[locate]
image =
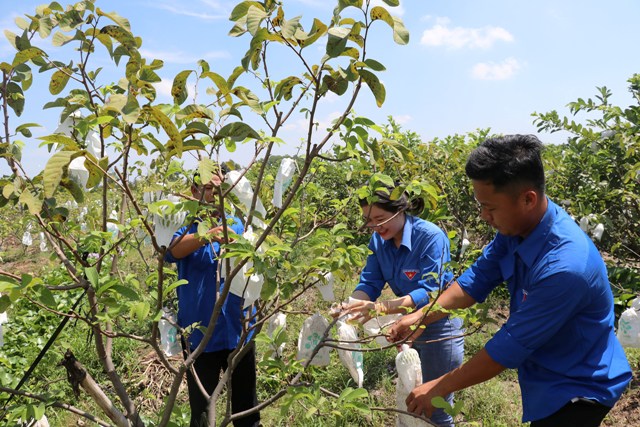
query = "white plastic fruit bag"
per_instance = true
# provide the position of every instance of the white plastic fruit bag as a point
(244, 284)
(3, 319)
(312, 331)
(168, 333)
(409, 376)
(283, 179)
(351, 359)
(377, 326)
(325, 286)
(629, 326)
(243, 191)
(278, 320)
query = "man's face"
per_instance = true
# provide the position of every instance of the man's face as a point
(506, 211)
(208, 191)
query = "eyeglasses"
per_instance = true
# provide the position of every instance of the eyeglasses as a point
(380, 224)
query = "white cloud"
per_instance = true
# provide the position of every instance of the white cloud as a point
(443, 34)
(403, 119)
(183, 9)
(179, 57)
(496, 71)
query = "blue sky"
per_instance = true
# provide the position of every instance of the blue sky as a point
(469, 64)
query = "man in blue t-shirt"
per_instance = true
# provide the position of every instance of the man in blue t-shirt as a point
(197, 262)
(560, 332)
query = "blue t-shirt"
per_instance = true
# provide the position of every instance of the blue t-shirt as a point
(560, 332)
(424, 249)
(197, 298)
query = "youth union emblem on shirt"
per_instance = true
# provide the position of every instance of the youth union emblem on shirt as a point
(410, 273)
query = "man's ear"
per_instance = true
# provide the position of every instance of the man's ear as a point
(530, 199)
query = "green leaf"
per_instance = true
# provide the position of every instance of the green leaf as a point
(73, 188)
(170, 129)
(289, 27)
(241, 9)
(255, 16)
(92, 276)
(237, 131)
(33, 203)
(15, 98)
(66, 142)
(285, 87)
(46, 297)
(392, 3)
(374, 65)
(173, 285)
(179, 87)
(5, 301)
(380, 13)
(318, 29)
(374, 84)
(337, 41)
(123, 22)
(24, 129)
(195, 111)
(400, 32)
(60, 39)
(27, 55)
(206, 168)
(59, 81)
(54, 170)
(140, 310)
(96, 173)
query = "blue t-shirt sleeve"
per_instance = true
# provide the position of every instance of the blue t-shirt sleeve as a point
(435, 254)
(485, 274)
(553, 300)
(371, 279)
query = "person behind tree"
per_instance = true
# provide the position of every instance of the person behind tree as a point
(197, 262)
(560, 331)
(410, 254)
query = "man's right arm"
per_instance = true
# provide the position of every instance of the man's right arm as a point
(454, 297)
(189, 243)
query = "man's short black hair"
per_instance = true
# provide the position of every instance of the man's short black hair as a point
(508, 162)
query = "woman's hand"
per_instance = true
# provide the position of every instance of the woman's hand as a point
(356, 310)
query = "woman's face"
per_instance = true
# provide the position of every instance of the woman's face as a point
(387, 224)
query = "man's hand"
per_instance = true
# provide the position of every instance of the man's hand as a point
(216, 234)
(419, 400)
(407, 328)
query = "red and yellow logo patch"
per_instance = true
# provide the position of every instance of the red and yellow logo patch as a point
(410, 273)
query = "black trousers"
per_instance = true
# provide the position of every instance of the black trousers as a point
(581, 413)
(209, 367)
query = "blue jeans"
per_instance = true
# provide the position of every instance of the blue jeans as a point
(439, 357)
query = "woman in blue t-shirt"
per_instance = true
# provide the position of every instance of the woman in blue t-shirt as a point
(410, 255)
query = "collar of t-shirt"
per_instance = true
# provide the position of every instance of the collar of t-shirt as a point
(533, 244)
(406, 233)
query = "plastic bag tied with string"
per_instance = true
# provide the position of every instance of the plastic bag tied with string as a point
(351, 359)
(409, 377)
(277, 322)
(169, 340)
(247, 284)
(629, 326)
(311, 334)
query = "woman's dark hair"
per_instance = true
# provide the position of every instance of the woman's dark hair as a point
(508, 162)
(414, 206)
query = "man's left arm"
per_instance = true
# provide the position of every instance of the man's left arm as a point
(480, 368)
